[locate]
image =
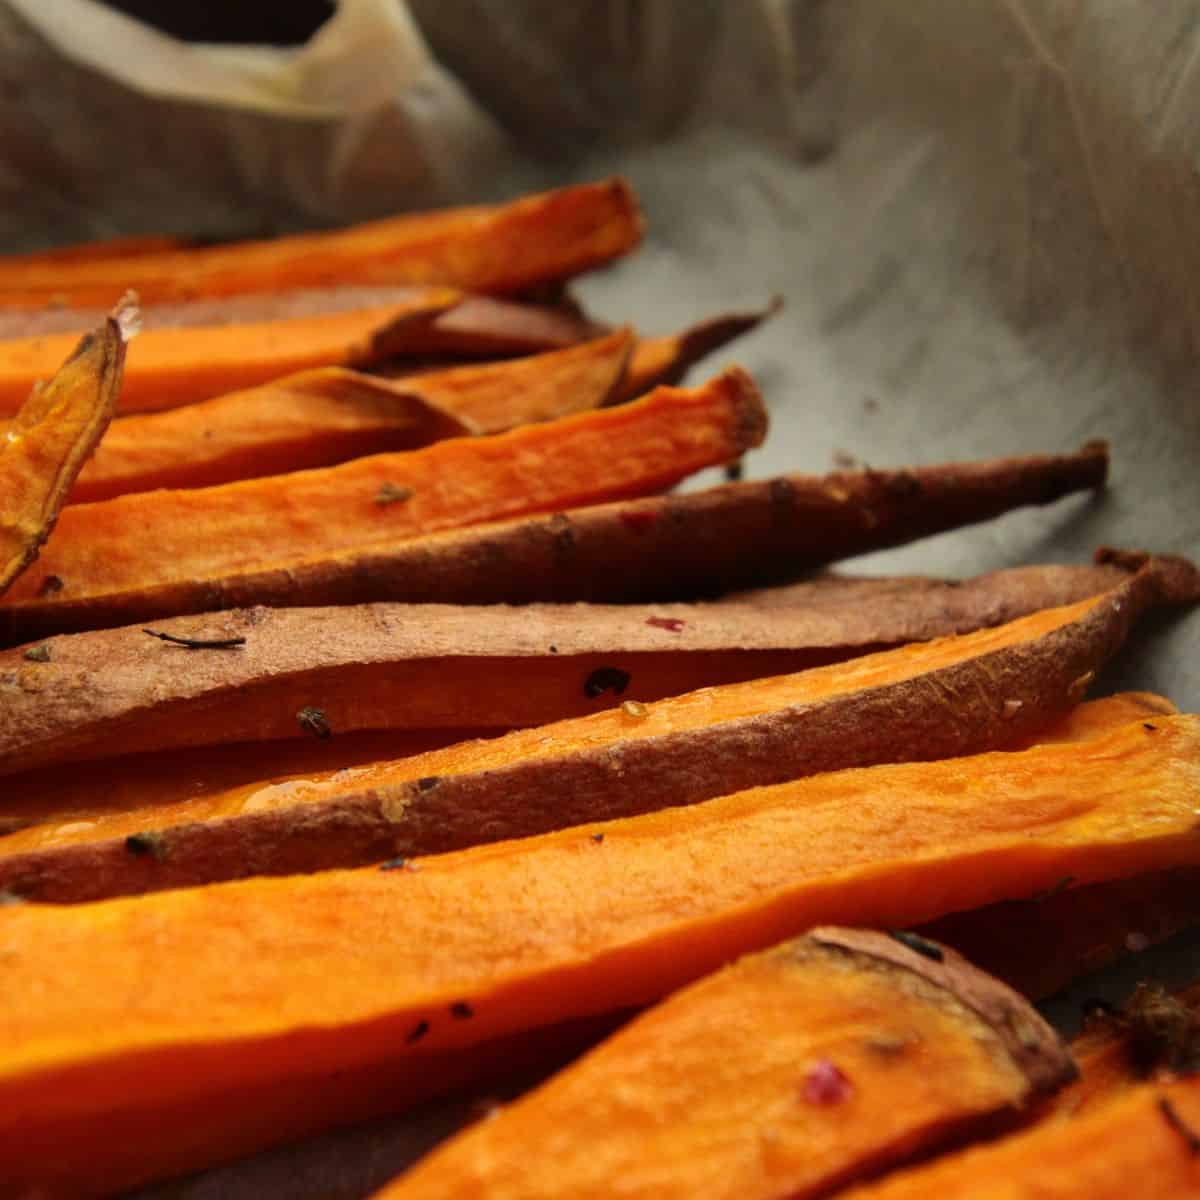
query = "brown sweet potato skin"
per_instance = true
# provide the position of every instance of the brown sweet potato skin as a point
(665, 548)
(436, 666)
(986, 701)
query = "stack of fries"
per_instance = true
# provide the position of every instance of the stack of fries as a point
(377, 726)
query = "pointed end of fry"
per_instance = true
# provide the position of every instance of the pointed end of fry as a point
(128, 316)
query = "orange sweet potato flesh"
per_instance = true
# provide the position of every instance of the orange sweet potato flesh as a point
(659, 360)
(503, 248)
(169, 367)
(788, 1074)
(995, 688)
(312, 419)
(186, 539)
(44, 448)
(660, 548)
(287, 978)
(1145, 1146)
(412, 667)
(326, 416)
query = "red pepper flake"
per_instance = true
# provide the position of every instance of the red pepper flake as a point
(640, 520)
(670, 624)
(824, 1083)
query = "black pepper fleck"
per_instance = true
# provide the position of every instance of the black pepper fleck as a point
(419, 1030)
(428, 782)
(918, 944)
(461, 1010)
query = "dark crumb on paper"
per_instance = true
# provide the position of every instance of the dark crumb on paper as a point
(428, 782)
(147, 845)
(553, 649)
(460, 1010)
(392, 493)
(670, 624)
(606, 679)
(50, 585)
(227, 643)
(825, 1083)
(843, 460)
(37, 653)
(419, 1030)
(1191, 1139)
(314, 721)
(734, 471)
(918, 944)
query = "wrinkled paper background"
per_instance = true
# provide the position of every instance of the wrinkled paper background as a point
(984, 216)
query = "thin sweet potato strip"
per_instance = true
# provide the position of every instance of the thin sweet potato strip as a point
(659, 360)
(313, 419)
(326, 416)
(410, 667)
(793, 1072)
(954, 696)
(504, 248)
(169, 367)
(193, 538)
(286, 979)
(1145, 1146)
(662, 548)
(44, 448)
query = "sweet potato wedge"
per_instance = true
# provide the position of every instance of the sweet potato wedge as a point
(44, 448)
(992, 688)
(130, 246)
(287, 979)
(502, 248)
(1145, 1146)
(400, 666)
(478, 326)
(169, 367)
(326, 416)
(795, 1071)
(659, 360)
(190, 539)
(663, 548)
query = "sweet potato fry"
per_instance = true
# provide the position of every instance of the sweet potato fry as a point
(996, 687)
(480, 667)
(1145, 1146)
(102, 251)
(287, 979)
(170, 367)
(44, 448)
(314, 419)
(794, 1072)
(190, 539)
(503, 248)
(479, 326)
(663, 548)
(659, 360)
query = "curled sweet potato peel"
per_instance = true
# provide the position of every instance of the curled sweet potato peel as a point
(45, 447)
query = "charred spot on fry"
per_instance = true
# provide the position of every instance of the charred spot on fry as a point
(314, 721)
(392, 493)
(918, 944)
(606, 679)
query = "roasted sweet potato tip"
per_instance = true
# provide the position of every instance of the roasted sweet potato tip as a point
(844, 1052)
(45, 447)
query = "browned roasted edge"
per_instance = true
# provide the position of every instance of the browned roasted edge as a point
(109, 340)
(659, 548)
(1030, 1042)
(895, 722)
